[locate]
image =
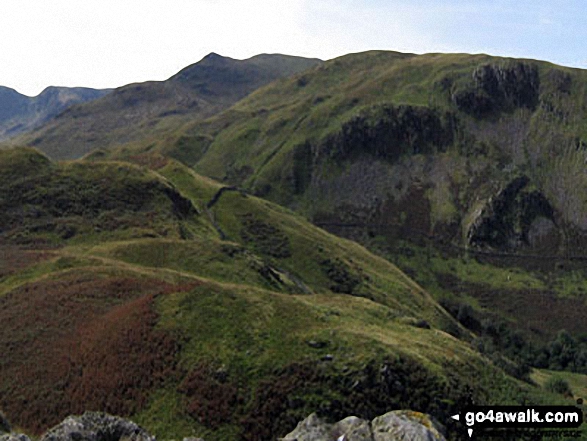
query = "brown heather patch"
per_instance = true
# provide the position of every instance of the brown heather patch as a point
(268, 414)
(117, 359)
(212, 397)
(85, 340)
(153, 161)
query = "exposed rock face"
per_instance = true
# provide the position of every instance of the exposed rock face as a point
(95, 426)
(499, 89)
(389, 132)
(401, 425)
(515, 218)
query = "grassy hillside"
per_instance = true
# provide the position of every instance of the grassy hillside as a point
(204, 312)
(156, 108)
(417, 143)
(467, 171)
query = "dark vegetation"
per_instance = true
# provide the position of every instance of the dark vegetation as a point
(513, 351)
(399, 383)
(121, 351)
(41, 201)
(4, 424)
(558, 385)
(264, 237)
(343, 279)
(212, 398)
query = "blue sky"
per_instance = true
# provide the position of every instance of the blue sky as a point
(109, 43)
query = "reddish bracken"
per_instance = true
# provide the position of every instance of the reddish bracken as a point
(85, 341)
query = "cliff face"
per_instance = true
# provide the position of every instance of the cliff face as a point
(415, 146)
(516, 218)
(429, 160)
(497, 88)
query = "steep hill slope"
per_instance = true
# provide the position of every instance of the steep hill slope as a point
(465, 170)
(20, 113)
(198, 309)
(456, 146)
(137, 110)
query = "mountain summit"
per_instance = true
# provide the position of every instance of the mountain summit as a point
(156, 108)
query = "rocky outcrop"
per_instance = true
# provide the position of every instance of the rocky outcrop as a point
(515, 218)
(91, 426)
(398, 425)
(499, 88)
(381, 132)
(389, 132)
(96, 426)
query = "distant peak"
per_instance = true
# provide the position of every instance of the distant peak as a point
(213, 56)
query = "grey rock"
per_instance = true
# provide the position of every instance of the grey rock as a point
(14, 437)
(310, 429)
(96, 426)
(317, 344)
(352, 429)
(405, 425)
(193, 439)
(401, 425)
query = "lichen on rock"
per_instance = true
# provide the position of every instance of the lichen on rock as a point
(399, 425)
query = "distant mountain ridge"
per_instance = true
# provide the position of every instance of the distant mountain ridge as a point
(156, 108)
(20, 113)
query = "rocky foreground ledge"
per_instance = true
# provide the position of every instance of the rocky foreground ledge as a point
(398, 425)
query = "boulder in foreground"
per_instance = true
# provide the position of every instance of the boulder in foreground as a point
(399, 425)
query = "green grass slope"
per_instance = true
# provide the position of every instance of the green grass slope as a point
(446, 132)
(137, 111)
(467, 171)
(203, 312)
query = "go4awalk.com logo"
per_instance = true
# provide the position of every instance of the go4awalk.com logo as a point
(519, 417)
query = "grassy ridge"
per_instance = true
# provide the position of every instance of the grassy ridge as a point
(191, 333)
